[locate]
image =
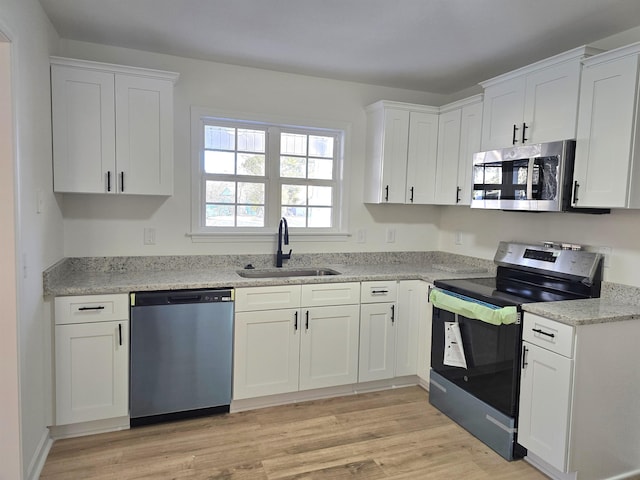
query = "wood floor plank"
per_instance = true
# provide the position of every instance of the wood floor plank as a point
(393, 434)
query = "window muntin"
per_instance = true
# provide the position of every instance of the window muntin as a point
(253, 173)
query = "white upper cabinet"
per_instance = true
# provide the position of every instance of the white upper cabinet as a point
(112, 128)
(459, 132)
(535, 104)
(607, 170)
(401, 153)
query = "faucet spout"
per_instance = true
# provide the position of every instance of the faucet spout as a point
(283, 237)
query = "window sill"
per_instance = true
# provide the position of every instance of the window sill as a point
(266, 237)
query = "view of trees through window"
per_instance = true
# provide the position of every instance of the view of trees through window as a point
(245, 174)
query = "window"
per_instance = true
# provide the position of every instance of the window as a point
(248, 174)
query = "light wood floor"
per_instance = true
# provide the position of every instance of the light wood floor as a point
(393, 434)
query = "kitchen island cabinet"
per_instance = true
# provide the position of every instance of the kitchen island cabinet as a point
(112, 128)
(576, 415)
(91, 358)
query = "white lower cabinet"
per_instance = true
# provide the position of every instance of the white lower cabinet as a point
(579, 388)
(413, 344)
(91, 358)
(313, 344)
(390, 329)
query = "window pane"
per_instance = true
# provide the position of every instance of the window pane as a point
(250, 216)
(296, 216)
(219, 138)
(252, 193)
(320, 196)
(321, 146)
(220, 192)
(319, 217)
(293, 144)
(320, 169)
(220, 215)
(294, 195)
(251, 140)
(251, 164)
(292, 167)
(219, 162)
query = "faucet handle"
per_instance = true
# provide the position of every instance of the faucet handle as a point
(287, 255)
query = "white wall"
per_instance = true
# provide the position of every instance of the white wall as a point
(108, 225)
(39, 236)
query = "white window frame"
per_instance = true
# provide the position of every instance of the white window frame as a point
(201, 116)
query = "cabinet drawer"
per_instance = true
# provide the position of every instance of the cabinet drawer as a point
(267, 298)
(325, 294)
(377, 292)
(549, 334)
(91, 308)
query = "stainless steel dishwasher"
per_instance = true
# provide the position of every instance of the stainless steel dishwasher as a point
(181, 354)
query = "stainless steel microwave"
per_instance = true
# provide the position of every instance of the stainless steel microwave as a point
(536, 177)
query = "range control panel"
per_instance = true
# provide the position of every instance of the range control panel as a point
(577, 264)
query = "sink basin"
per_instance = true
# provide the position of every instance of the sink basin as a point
(299, 272)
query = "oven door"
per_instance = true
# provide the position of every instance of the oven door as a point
(491, 352)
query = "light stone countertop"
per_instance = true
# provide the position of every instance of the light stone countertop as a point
(103, 275)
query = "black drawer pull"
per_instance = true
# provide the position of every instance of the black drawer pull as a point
(83, 309)
(379, 292)
(537, 330)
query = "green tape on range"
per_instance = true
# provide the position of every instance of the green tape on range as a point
(476, 311)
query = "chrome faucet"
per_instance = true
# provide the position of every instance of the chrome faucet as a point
(283, 236)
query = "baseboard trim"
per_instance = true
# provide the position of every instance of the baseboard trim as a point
(321, 393)
(40, 457)
(89, 428)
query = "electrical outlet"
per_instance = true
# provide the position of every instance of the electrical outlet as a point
(149, 236)
(457, 238)
(606, 253)
(362, 236)
(391, 235)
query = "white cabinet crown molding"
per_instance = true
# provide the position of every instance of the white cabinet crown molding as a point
(632, 49)
(584, 51)
(461, 103)
(113, 68)
(410, 107)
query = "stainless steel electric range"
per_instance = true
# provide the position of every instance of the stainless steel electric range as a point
(476, 334)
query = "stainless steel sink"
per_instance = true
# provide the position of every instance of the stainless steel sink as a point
(285, 272)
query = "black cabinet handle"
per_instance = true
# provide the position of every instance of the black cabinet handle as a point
(122, 181)
(393, 314)
(576, 185)
(295, 321)
(524, 132)
(514, 140)
(306, 325)
(120, 333)
(458, 190)
(537, 330)
(386, 193)
(84, 309)
(524, 357)
(379, 292)
(109, 181)
(411, 197)
(429, 294)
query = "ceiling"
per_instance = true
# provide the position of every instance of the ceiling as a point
(439, 46)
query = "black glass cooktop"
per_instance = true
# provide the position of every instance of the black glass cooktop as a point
(483, 289)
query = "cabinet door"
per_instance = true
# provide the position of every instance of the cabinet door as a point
(377, 341)
(606, 133)
(144, 135)
(424, 332)
(551, 103)
(83, 121)
(470, 140)
(267, 353)
(412, 309)
(503, 108)
(446, 173)
(422, 158)
(545, 394)
(329, 346)
(92, 371)
(394, 155)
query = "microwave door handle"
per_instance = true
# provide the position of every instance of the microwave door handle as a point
(532, 162)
